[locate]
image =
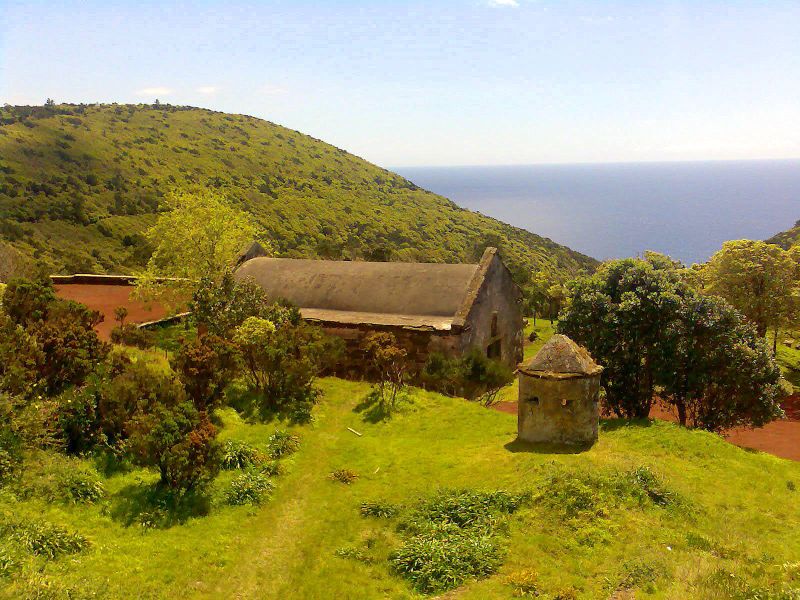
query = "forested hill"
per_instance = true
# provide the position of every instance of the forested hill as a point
(787, 239)
(80, 183)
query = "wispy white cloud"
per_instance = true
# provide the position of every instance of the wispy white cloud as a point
(273, 90)
(207, 89)
(154, 91)
(503, 3)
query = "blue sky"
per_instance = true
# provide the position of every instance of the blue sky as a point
(438, 82)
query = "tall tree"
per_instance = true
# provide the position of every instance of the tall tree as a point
(620, 314)
(760, 280)
(653, 332)
(197, 237)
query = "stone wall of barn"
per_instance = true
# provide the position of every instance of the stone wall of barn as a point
(419, 343)
(494, 322)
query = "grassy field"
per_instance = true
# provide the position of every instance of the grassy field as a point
(731, 532)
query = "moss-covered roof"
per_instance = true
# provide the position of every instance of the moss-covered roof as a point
(428, 295)
(559, 357)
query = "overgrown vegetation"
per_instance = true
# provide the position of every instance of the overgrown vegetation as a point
(654, 333)
(95, 176)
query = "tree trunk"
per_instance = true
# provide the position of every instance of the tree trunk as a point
(681, 404)
(775, 342)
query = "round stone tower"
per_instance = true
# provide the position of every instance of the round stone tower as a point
(558, 395)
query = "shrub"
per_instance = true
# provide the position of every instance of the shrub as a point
(271, 468)
(27, 302)
(383, 510)
(473, 375)
(249, 488)
(345, 476)
(238, 455)
(388, 363)
(454, 537)
(132, 335)
(45, 539)
(180, 442)
(525, 583)
(10, 456)
(220, 307)
(204, 366)
(81, 487)
(446, 556)
(282, 443)
(136, 390)
(465, 508)
(282, 356)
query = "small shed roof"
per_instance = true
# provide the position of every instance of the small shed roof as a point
(561, 357)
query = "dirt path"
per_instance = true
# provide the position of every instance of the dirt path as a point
(105, 298)
(781, 438)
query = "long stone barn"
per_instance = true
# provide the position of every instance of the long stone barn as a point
(429, 307)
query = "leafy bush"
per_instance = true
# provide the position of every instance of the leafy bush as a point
(282, 356)
(205, 366)
(27, 302)
(465, 508)
(271, 468)
(81, 487)
(249, 488)
(180, 442)
(472, 376)
(135, 390)
(131, 335)
(345, 476)
(525, 583)
(388, 364)
(454, 536)
(239, 455)
(10, 455)
(46, 539)
(70, 348)
(445, 556)
(220, 307)
(282, 443)
(383, 510)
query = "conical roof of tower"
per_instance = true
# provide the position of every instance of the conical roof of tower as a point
(561, 357)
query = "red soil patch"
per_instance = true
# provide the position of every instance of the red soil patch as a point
(780, 438)
(105, 298)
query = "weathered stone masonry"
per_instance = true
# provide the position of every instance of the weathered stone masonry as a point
(429, 307)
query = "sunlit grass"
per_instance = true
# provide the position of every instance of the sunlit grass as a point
(740, 505)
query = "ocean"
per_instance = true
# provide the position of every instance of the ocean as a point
(683, 209)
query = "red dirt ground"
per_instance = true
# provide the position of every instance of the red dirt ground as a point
(105, 298)
(781, 438)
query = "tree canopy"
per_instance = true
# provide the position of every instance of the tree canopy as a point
(196, 238)
(656, 336)
(761, 280)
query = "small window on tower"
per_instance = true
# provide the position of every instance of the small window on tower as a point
(494, 324)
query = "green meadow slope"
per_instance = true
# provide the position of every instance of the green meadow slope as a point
(787, 239)
(78, 185)
(729, 529)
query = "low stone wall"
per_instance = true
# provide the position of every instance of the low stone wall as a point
(90, 279)
(419, 344)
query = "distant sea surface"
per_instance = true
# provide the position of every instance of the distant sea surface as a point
(684, 209)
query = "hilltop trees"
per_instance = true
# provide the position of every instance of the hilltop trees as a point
(761, 280)
(655, 335)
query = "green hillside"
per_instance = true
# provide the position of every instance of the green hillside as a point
(787, 239)
(79, 183)
(723, 524)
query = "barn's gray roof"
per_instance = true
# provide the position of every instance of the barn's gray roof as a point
(560, 357)
(425, 295)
